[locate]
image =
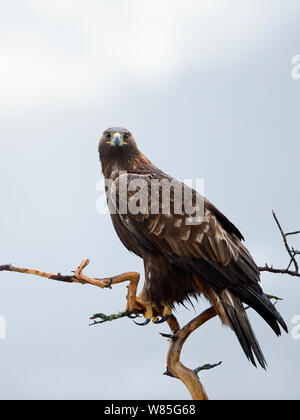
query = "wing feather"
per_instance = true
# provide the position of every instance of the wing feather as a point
(172, 234)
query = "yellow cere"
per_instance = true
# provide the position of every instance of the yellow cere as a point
(114, 136)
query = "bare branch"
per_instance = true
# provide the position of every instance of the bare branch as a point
(107, 318)
(292, 233)
(290, 250)
(206, 367)
(174, 366)
(279, 271)
(276, 298)
(77, 277)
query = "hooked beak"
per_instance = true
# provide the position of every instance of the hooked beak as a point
(117, 139)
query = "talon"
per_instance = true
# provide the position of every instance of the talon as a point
(143, 323)
(162, 320)
(132, 316)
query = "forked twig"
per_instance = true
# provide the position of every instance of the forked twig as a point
(290, 250)
(78, 276)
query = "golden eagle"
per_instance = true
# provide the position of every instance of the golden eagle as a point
(182, 259)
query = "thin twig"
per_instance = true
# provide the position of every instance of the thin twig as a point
(107, 318)
(50, 276)
(290, 250)
(274, 297)
(279, 271)
(292, 233)
(286, 243)
(206, 367)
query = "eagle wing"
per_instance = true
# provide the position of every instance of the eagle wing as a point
(208, 245)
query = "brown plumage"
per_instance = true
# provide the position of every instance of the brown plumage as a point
(183, 260)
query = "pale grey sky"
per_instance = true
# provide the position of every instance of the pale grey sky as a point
(206, 88)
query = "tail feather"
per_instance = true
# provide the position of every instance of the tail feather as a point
(239, 322)
(255, 298)
(230, 308)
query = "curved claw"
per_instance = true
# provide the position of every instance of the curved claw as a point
(143, 323)
(132, 315)
(162, 320)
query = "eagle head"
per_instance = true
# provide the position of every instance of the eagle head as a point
(116, 140)
(118, 151)
(117, 146)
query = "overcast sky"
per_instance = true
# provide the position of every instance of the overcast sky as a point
(207, 89)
